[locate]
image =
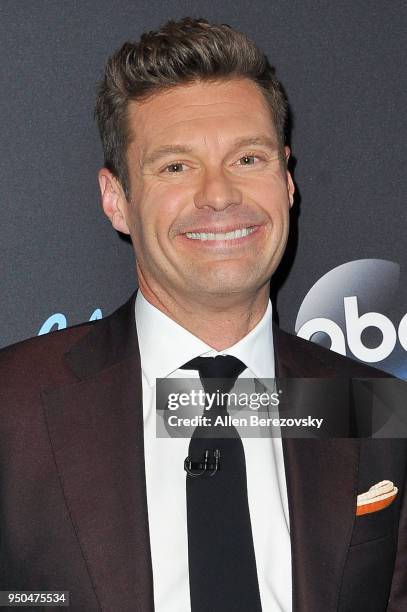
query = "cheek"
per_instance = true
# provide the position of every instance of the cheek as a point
(160, 206)
(268, 189)
(272, 198)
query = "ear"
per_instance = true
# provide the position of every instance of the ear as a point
(113, 200)
(290, 182)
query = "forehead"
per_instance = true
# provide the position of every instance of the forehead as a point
(221, 109)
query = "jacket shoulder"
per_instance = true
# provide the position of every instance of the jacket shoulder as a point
(39, 361)
(323, 361)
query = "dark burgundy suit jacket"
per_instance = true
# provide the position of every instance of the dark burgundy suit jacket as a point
(73, 512)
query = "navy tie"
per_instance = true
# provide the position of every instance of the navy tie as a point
(222, 564)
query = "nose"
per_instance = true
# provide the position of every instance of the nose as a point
(217, 191)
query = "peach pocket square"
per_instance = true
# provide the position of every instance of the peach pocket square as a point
(377, 498)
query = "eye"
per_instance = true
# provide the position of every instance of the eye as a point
(175, 168)
(249, 160)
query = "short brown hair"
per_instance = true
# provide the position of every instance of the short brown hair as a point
(180, 52)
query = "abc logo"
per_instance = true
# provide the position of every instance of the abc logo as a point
(355, 325)
(338, 296)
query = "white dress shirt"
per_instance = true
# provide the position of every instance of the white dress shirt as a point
(164, 347)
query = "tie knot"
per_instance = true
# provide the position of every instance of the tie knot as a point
(226, 368)
(221, 366)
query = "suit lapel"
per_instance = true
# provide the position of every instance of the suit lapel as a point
(96, 432)
(321, 480)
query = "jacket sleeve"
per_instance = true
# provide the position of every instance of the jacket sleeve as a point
(398, 592)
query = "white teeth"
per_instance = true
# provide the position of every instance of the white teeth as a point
(240, 233)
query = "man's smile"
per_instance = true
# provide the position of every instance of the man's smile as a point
(221, 235)
(221, 238)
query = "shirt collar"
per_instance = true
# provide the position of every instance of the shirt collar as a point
(165, 345)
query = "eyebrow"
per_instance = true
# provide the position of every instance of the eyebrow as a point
(253, 141)
(163, 151)
(175, 149)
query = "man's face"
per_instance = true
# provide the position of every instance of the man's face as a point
(208, 212)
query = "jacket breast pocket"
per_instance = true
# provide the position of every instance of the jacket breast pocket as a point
(369, 564)
(375, 525)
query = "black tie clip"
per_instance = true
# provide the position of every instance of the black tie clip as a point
(205, 467)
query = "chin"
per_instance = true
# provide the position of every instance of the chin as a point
(226, 286)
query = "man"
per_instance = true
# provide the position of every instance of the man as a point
(192, 124)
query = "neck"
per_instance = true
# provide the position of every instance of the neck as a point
(219, 321)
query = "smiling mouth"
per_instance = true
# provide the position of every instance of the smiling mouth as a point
(238, 233)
